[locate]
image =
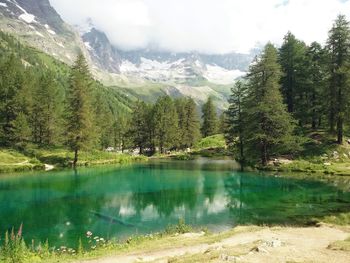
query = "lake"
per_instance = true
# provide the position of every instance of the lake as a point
(117, 202)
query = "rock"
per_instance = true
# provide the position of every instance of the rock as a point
(260, 249)
(327, 164)
(49, 167)
(273, 243)
(225, 257)
(345, 155)
(348, 141)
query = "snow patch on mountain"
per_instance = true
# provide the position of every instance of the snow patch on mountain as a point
(28, 18)
(179, 70)
(39, 34)
(220, 75)
(3, 4)
(51, 32)
(87, 45)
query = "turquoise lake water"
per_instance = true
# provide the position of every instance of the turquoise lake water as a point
(116, 202)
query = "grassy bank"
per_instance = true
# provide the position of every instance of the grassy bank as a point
(211, 147)
(34, 158)
(14, 161)
(321, 154)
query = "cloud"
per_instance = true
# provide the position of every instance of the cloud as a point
(211, 26)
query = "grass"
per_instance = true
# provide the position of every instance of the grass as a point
(13, 161)
(342, 219)
(321, 154)
(34, 158)
(14, 250)
(341, 245)
(215, 141)
(62, 158)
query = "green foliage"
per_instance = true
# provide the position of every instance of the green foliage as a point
(215, 141)
(189, 124)
(291, 58)
(338, 46)
(268, 126)
(234, 121)
(80, 129)
(14, 249)
(210, 119)
(180, 228)
(165, 123)
(36, 101)
(183, 157)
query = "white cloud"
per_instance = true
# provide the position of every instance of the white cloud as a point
(212, 26)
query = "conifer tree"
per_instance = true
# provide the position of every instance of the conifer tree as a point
(189, 124)
(338, 46)
(291, 58)
(166, 123)
(80, 133)
(22, 131)
(269, 126)
(210, 119)
(234, 121)
(121, 128)
(11, 84)
(46, 111)
(139, 127)
(316, 82)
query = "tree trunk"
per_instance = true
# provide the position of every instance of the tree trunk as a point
(340, 129)
(75, 161)
(314, 114)
(264, 158)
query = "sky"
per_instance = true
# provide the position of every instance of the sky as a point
(208, 26)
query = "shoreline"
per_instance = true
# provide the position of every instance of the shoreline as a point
(250, 243)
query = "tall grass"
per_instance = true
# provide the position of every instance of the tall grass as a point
(14, 250)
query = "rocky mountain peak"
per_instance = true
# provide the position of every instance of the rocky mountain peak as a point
(103, 54)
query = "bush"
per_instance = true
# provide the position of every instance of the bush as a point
(215, 141)
(180, 228)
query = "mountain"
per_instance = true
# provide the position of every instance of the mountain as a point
(103, 54)
(164, 66)
(142, 74)
(38, 24)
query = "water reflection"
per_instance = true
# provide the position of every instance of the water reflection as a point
(119, 202)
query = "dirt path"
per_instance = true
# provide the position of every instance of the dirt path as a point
(266, 245)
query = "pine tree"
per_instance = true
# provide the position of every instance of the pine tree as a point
(139, 126)
(47, 111)
(103, 121)
(189, 123)
(11, 84)
(268, 126)
(316, 84)
(79, 113)
(210, 119)
(234, 121)
(121, 128)
(291, 58)
(22, 131)
(166, 123)
(338, 46)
